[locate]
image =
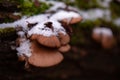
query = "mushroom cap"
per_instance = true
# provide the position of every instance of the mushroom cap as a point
(64, 38)
(44, 57)
(33, 36)
(64, 48)
(108, 42)
(51, 41)
(97, 37)
(72, 20)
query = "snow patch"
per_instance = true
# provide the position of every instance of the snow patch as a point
(104, 3)
(94, 14)
(24, 48)
(117, 21)
(60, 15)
(103, 31)
(42, 29)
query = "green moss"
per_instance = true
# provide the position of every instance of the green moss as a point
(7, 32)
(115, 9)
(86, 4)
(28, 7)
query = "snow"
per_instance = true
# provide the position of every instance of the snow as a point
(21, 34)
(60, 15)
(23, 22)
(104, 3)
(94, 14)
(103, 31)
(24, 48)
(45, 31)
(117, 21)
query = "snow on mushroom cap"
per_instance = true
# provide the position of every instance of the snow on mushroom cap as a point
(42, 29)
(60, 15)
(103, 30)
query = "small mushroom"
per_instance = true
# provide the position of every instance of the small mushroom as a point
(64, 38)
(104, 36)
(44, 57)
(96, 37)
(108, 42)
(64, 48)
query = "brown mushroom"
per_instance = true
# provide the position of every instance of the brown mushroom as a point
(64, 38)
(51, 41)
(108, 41)
(72, 20)
(33, 36)
(64, 48)
(44, 57)
(104, 36)
(96, 37)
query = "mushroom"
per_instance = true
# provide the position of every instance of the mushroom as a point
(64, 38)
(64, 48)
(69, 17)
(97, 34)
(104, 36)
(108, 41)
(46, 42)
(72, 20)
(51, 41)
(44, 57)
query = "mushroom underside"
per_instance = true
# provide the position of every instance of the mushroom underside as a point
(44, 57)
(64, 48)
(51, 41)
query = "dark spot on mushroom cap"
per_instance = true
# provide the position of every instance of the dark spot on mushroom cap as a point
(49, 25)
(67, 27)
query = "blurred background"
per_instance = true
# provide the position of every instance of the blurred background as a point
(87, 59)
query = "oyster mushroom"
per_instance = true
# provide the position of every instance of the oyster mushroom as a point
(72, 20)
(47, 40)
(49, 33)
(69, 17)
(108, 42)
(64, 48)
(104, 36)
(64, 38)
(44, 57)
(51, 41)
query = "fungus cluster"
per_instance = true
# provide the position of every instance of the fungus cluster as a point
(43, 38)
(42, 43)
